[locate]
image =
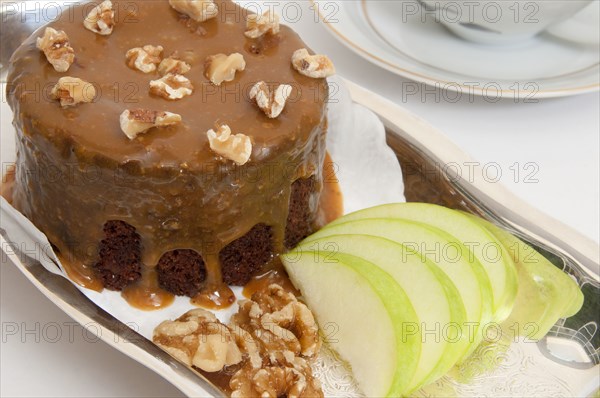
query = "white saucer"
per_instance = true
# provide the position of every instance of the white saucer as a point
(398, 36)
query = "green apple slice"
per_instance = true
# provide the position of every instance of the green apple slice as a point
(368, 312)
(545, 293)
(447, 253)
(494, 258)
(436, 300)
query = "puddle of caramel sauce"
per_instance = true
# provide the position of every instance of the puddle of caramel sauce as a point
(273, 272)
(214, 297)
(146, 294)
(80, 273)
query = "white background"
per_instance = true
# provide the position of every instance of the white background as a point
(559, 136)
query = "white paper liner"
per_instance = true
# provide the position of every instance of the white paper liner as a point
(368, 172)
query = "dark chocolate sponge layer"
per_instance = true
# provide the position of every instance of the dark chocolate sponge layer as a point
(120, 260)
(300, 217)
(246, 255)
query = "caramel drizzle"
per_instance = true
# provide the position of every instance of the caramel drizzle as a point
(145, 294)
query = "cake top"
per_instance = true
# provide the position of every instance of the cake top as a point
(129, 84)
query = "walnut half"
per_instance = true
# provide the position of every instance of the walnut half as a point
(173, 65)
(137, 121)
(55, 45)
(221, 68)
(198, 338)
(270, 102)
(172, 87)
(72, 91)
(101, 19)
(145, 58)
(315, 66)
(259, 25)
(236, 147)
(198, 10)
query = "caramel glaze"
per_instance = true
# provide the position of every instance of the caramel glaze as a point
(331, 202)
(273, 272)
(79, 272)
(76, 169)
(7, 187)
(330, 208)
(145, 294)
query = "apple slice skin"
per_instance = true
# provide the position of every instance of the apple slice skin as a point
(501, 272)
(436, 300)
(469, 277)
(541, 284)
(320, 272)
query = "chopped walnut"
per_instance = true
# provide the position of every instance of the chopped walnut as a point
(286, 333)
(274, 382)
(101, 19)
(145, 58)
(137, 121)
(221, 68)
(174, 66)
(72, 91)
(197, 338)
(270, 102)
(171, 87)
(316, 66)
(258, 25)
(248, 346)
(236, 147)
(280, 322)
(55, 45)
(198, 10)
(263, 369)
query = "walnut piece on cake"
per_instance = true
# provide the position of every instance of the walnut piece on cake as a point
(172, 87)
(235, 147)
(221, 68)
(145, 58)
(72, 91)
(174, 66)
(136, 121)
(55, 45)
(270, 342)
(198, 10)
(259, 25)
(101, 19)
(315, 66)
(271, 102)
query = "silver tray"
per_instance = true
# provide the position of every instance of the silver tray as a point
(423, 153)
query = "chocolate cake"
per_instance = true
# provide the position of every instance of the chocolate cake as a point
(160, 134)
